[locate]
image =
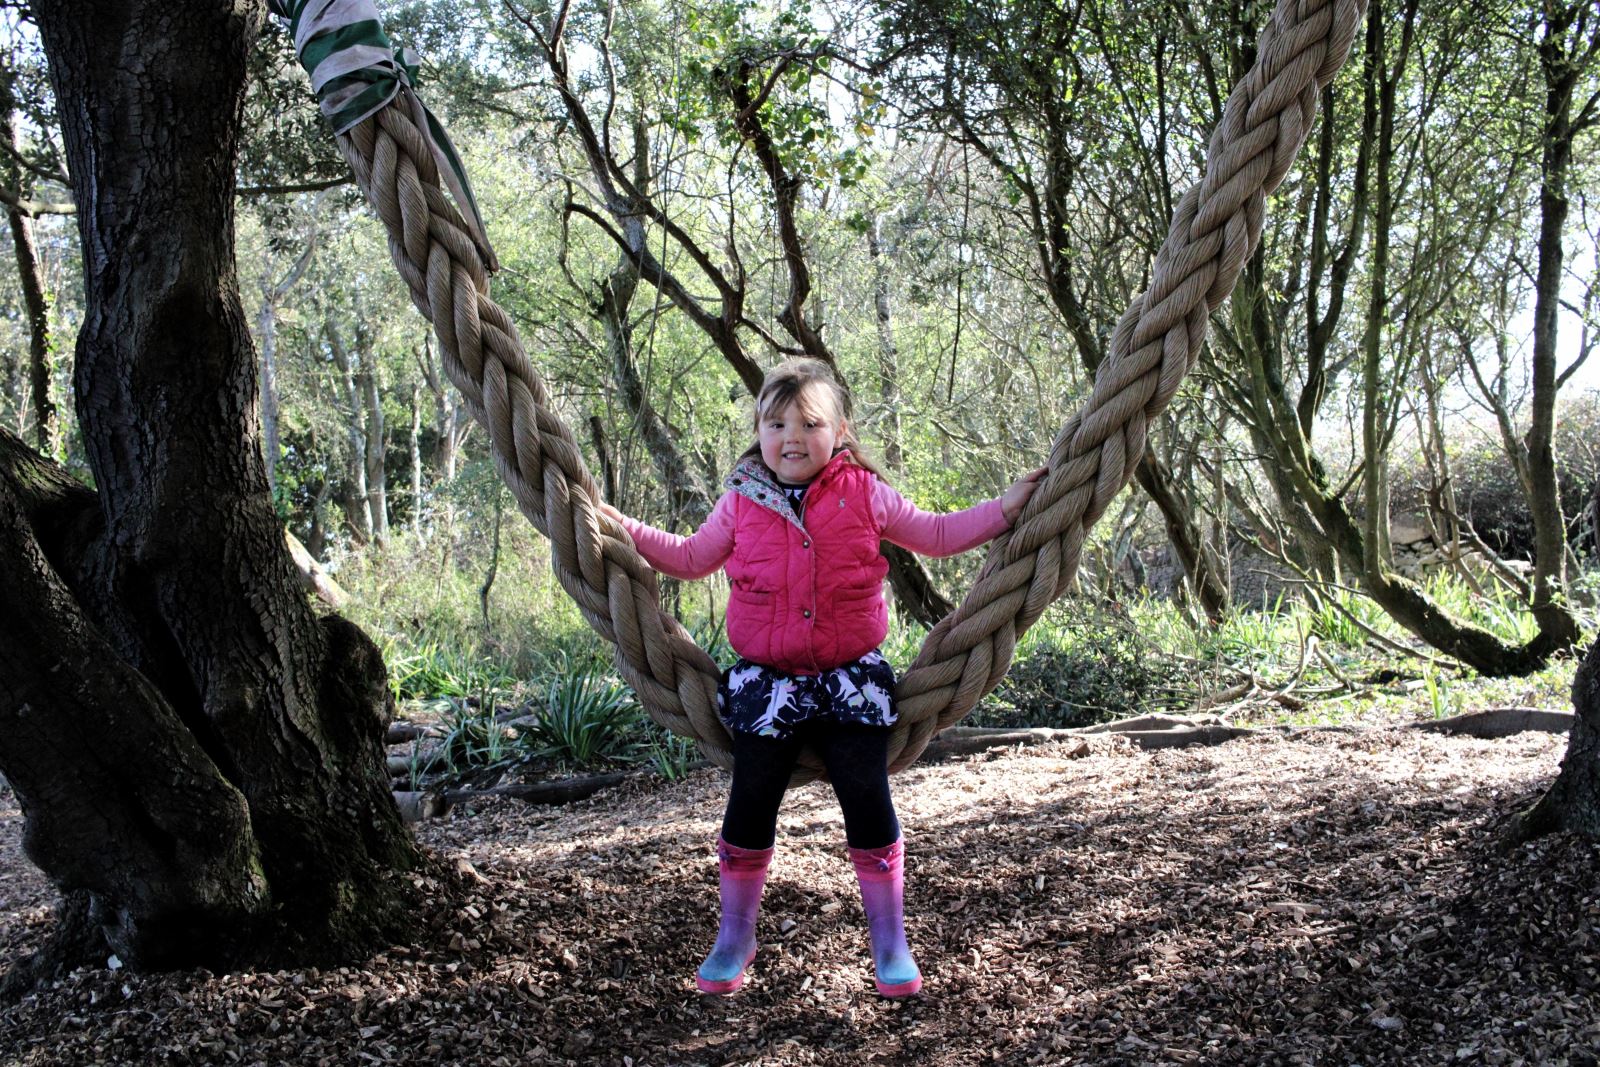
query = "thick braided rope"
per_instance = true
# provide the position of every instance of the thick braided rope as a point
(1214, 230)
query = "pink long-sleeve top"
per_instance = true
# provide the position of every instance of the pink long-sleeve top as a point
(899, 521)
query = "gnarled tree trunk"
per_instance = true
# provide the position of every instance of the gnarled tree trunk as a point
(1573, 800)
(198, 756)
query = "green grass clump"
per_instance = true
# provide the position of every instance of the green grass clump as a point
(1493, 606)
(1346, 617)
(586, 717)
(428, 670)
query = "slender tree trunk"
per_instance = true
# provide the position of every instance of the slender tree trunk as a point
(317, 537)
(451, 430)
(41, 365)
(888, 357)
(608, 465)
(199, 755)
(1374, 382)
(356, 509)
(1202, 568)
(376, 441)
(415, 441)
(686, 496)
(272, 294)
(30, 275)
(449, 426)
(494, 557)
(267, 331)
(1200, 563)
(1594, 519)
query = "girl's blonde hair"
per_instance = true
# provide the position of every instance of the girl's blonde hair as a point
(812, 385)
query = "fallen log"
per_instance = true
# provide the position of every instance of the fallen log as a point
(398, 733)
(1493, 723)
(1152, 732)
(406, 764)
(559, 791)
(1174, 737)
(418, 805)
(1167, 733)
(968, 740)
(1147, 723)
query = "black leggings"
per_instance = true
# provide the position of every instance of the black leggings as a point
(856, 758)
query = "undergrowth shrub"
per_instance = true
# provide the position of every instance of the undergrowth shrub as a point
(1490, 497)
(1085, 665)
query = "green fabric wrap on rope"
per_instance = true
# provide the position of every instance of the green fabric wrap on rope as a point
(356, 71)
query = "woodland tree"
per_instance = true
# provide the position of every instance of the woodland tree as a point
(197, 754)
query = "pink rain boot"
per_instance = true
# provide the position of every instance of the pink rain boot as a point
(744, 873)
(881, 874)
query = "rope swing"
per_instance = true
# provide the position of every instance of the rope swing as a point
(445, 262)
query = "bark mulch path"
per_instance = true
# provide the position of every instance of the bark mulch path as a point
(1327, 899)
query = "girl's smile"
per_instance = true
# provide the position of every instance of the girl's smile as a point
(796, 446)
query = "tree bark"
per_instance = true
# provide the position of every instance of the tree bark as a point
(1573, 801)
(162, 615)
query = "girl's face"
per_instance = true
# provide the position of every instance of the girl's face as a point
(796, 446)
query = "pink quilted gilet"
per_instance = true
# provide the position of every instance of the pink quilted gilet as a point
(806, 598)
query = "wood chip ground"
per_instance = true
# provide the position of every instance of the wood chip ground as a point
(1322, 900)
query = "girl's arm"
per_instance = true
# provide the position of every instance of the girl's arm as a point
(906, 525)
(688, 558)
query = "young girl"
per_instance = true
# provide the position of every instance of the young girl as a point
(799, 530)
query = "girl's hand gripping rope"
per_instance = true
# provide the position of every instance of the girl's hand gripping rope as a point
(1014, 499)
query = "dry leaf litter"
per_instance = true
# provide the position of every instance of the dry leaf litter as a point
(1331, 900)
